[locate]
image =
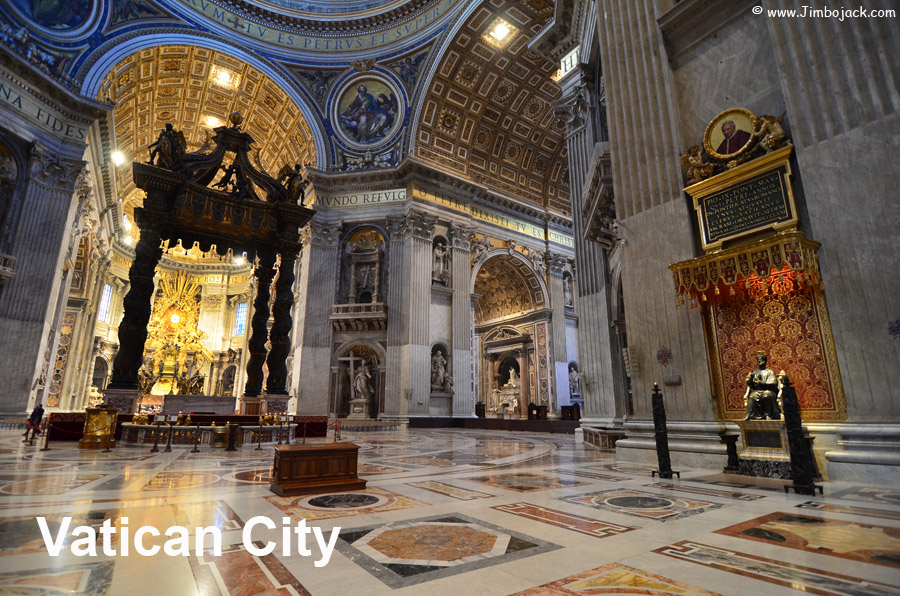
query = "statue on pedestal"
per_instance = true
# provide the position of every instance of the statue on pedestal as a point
(362, 383)
(762, 390)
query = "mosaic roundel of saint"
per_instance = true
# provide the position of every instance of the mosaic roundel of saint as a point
(368, 110)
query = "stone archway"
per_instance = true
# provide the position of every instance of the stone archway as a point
(512, 323)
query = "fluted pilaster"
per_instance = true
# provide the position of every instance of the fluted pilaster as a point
(421, 233)
(594, 342)
(318, 275)
(462, 322)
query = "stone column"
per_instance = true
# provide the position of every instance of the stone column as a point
(524, 381)
(319, 276)
(461, 325)
(280, 334)
(133, 328)
(259, 325)
(418, 305)
(594, 340)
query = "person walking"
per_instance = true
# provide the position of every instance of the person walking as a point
(34, 421)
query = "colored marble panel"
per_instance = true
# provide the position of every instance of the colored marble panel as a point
(20, 535)
(595, 476)
(524, 482)
(643, 504)
(873, 495)
(248, 575)
(46, 485)
(442, 488)
(372, 500)
(180, 481)
(624, 468)
(865, 511)
(410, 552)
(614, 579)
(711, 492)
(797, 577)
(847, 540)
(569, 521)
(91, 579)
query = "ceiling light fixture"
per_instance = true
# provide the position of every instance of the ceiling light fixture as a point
(118, 158)
(500, 30)
(213, 122)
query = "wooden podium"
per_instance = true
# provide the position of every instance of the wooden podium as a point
(318, 468)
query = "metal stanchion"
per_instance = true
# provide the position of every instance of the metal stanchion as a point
(155, 448)
(304, 432)
(47, 438)
(259, 439)
(196, 448)
(168, 448)
(280, 430)
(287, 437)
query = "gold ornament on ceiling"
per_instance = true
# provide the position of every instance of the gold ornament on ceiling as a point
(503, 132)
(507, 287)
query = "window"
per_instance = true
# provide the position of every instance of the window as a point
(240, 319)
(105, 299)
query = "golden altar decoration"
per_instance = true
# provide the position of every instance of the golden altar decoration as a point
(99, 428)
(174, 353)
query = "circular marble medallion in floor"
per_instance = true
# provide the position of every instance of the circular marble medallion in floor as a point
(639, 502)
(344, 501)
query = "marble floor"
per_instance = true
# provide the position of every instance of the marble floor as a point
(445, 512)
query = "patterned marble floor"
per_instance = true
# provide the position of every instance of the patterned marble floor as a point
(445, 512)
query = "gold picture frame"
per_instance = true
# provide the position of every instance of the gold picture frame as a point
(722, 146)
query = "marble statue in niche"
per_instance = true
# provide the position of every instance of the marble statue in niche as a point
(438, 368)
(362, 383)
(440, 263)
(568, 294)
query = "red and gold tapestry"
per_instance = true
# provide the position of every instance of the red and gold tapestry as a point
(792, 327)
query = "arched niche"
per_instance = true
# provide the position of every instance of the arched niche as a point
(441, 367)
(100, 377)
(347, 378)
(362, 270)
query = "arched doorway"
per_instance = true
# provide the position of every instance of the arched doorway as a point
(101, 373)
(512, 326)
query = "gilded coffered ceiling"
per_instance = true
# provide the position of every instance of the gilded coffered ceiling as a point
(196, 89)
(507, 286)
(488, 116)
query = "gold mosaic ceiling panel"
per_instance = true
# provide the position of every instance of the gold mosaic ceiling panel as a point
(187, 86)
(507, 287)
(488, 114)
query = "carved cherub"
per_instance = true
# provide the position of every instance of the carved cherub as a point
(769, 132)
(695, 166)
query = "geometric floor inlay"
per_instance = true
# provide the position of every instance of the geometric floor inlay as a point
(89, 579)
(798, 577)
(711, 492)
(524, 482)
(614, 578)
(414, 551)
(442, 488)
(643, 504)
(866, 511)
(837, 538)
(874, 495)
(318, 507)
(562, 519)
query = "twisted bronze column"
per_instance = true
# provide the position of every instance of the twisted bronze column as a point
(259, 325)
(280, 334)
